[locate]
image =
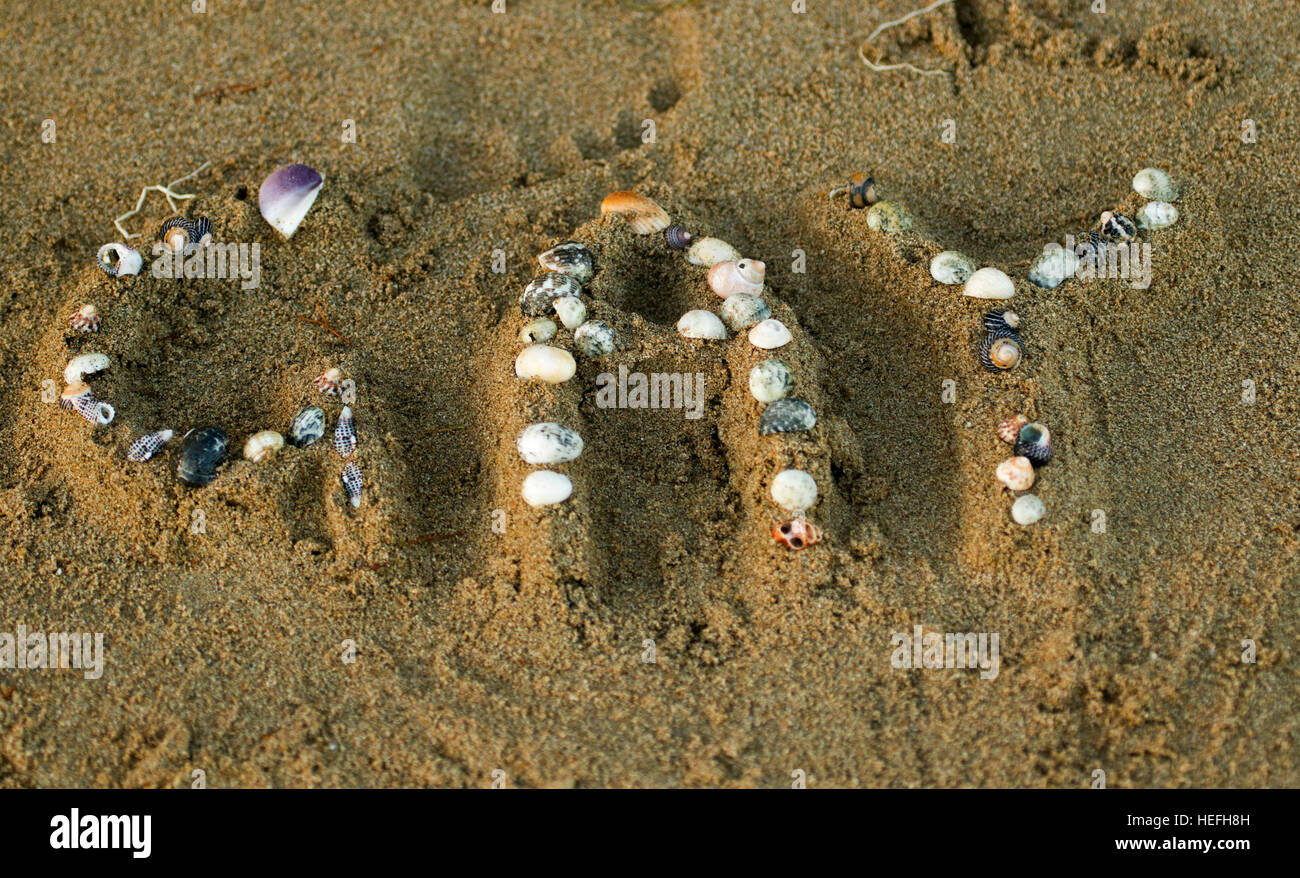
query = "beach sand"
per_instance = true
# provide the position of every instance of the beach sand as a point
(519, 656)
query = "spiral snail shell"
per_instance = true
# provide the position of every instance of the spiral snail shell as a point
(85, 319)
(119, 259)
(677, 237)
(1001, 350)
(1002, 320)
(730, 278)
(642, 214)
(147, 446)
(178, 232)
(330, 381)
(1034, 441)
(262, 445)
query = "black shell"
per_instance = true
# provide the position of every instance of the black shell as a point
(307, 426)
(202, 451)
(986, 349)
(1118, 227)
(677, 237)
(787, 415)
(195, 229)
(1003, 320)
(542, 291)
(862, 191)
(569, 258)
(1086, 241)
(1034, 441)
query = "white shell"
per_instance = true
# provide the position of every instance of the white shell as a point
(701, 324)
(82, 365)
(1053, 267)
(260, 445)
(951, 267)
(595, 338)
(1155, 184)
(552, 365)
(1027, 509)
(548, 443)
(535, 331)
(571, 311)
(989, 283)
(794, 490)
(544, 488)
(740, 276)
(708, 252)
(1017, 473)
(770, 334)
(1156, 215)
(742, 311)
(770, 380)
(129, 260)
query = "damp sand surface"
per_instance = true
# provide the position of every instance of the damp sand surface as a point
(1168, 550)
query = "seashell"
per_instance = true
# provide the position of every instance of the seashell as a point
(1001, 350)
(286, 196)
(677, 237)
(307, 426)
(595, 338)
(178, 232)
(571, 311)
(538, 330)
(71, 393)
(797, 533)
(951, 267)
(147, 446)
(548, 443)
(1088, 242)
(345, 433)
(330, 381)
(888, 217)
(742, 311)
(741, 276)
(1155, 185)
(770, 380)
(1027, 510)
(643, 214)
(91, 409)
(351, 479)
(85, 319)
(708, 252)
(788, 415)
(862, 191)
(552, 365)
(119, 259)
(1002, 320)
(82, 365)
(545, 488)
(1034, 441)
(795, 490)
(262, 445)
(989, 283)
(569, 258)
(541, 293)
(1117, 227)
(770, 334)
(1156, 215)
(202, 451)
(701, 324)
(1053, 267)
(1017, 473)
(1009, 429)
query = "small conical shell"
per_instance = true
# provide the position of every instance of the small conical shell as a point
(345, 433)
(147, 446)
(1009, 429)
(329, 381)
(85, 319)
(352, 483)
(643, 214)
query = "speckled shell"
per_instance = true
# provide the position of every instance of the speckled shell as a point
(571, 311)
(796, 533)
(84, 319)
(1053, 267)
(1034, 441)
(128, 260)
(787, 415)
(178, 232)
(643, 214)
(93, 410)
(708, 252)
(595, 338)
(352, 483)
(202, 451)
(147, 446)
(345, 433)
(1003, 320)
(1001, 350)
(1009, 429)
(570, 258)
(1157, 215)
(1117, 227)
(742, 276)
(1017, 473)
(951, 267)
(742, 311)
(307, 426)
(548, 443)
(541, 292)
(770, 380)
(888, 217)
(701, 324)
(329, 381)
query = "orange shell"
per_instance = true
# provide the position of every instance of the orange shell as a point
(796, 533)
(643, 214)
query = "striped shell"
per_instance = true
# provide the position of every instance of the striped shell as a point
(119, 259)
(862, 191)
(1117, 227)
(1002, 320)
(569, 258)
(643, 214)
(178, 232)
(85, 319)
(329, 381)
(262, 445)
(541, 292)
(1034, 441)
(1009, 429)
(1001, 350)
(677, 237)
